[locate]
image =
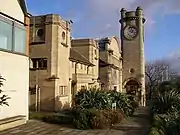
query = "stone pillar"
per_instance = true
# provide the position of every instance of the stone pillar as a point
(139, 12)
(120, 77)
(123, 24)
(27, 22)
(123, 15)
(70, 92)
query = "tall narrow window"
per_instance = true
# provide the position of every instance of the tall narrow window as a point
(5, 35)
(19, 40)
(63, 91)
(88, 70)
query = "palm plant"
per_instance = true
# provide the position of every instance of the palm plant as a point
(165, 109)
(92, 98)
(166, 103)
(124, 102)
(3, 98)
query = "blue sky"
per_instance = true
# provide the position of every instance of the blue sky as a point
(99, 18)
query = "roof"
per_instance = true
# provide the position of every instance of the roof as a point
(75, 56)
(22, 4)
(102, 63)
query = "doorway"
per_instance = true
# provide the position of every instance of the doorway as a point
(132, 88)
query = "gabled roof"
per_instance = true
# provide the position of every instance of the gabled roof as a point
(75, 56)
(22, 4)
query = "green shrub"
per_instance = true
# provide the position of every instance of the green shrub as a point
(37, 115)
(101, 120)
(124, 102)
(114, 116)
(58, 119)
(166, 124)
(93, 98)
(165, 113)
(83, 118)
(96, 119)
(168, 102)
(133, 105)
(63, 117)
(93, 108)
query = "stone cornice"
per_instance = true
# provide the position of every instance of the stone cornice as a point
(50, 19)
(131, 18)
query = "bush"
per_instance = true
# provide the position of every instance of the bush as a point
(92, 98)
(101, 100)
(63, 117)
(101, 120)
(133, 105)
(125, 102)
(96, 119)
(37, 115)
(58, 119)
(93, 108)
(167, 102)
(83, 118)
(165, 111)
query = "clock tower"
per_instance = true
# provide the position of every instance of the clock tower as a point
(132, 43)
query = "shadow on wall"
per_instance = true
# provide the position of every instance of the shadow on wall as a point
(62, 103)
(49, 104)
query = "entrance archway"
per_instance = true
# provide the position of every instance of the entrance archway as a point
(132, 87)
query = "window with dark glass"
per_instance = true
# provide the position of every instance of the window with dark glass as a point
(39, 63)
(40, 33)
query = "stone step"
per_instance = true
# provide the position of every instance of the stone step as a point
(12, 122)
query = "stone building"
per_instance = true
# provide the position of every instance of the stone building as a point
(14, 62)
(61, 66)
(84, 67)
(110, 63)
(49, 52)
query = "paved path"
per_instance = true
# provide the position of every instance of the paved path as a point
(138, 124)
(134, 126)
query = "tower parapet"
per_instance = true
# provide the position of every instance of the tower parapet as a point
(131, 15)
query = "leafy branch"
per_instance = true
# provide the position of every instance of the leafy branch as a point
(3, 98)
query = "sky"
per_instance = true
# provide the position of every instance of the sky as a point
(100, 18)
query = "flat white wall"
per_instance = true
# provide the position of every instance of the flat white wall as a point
(15, 69)
(12, 8)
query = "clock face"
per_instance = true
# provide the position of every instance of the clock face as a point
(130, 32)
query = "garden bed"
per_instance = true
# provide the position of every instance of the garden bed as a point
(93, 110)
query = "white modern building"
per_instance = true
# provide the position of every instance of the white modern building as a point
(14, 62)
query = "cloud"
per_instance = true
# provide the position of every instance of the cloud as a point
(174, 60)
(105, 13)
(175, 54)
(96, 18)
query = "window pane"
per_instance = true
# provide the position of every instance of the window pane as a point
(5, 35)
(34, 63)
(20, 40)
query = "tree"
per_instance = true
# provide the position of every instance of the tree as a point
(3, 98)
(156, 72)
